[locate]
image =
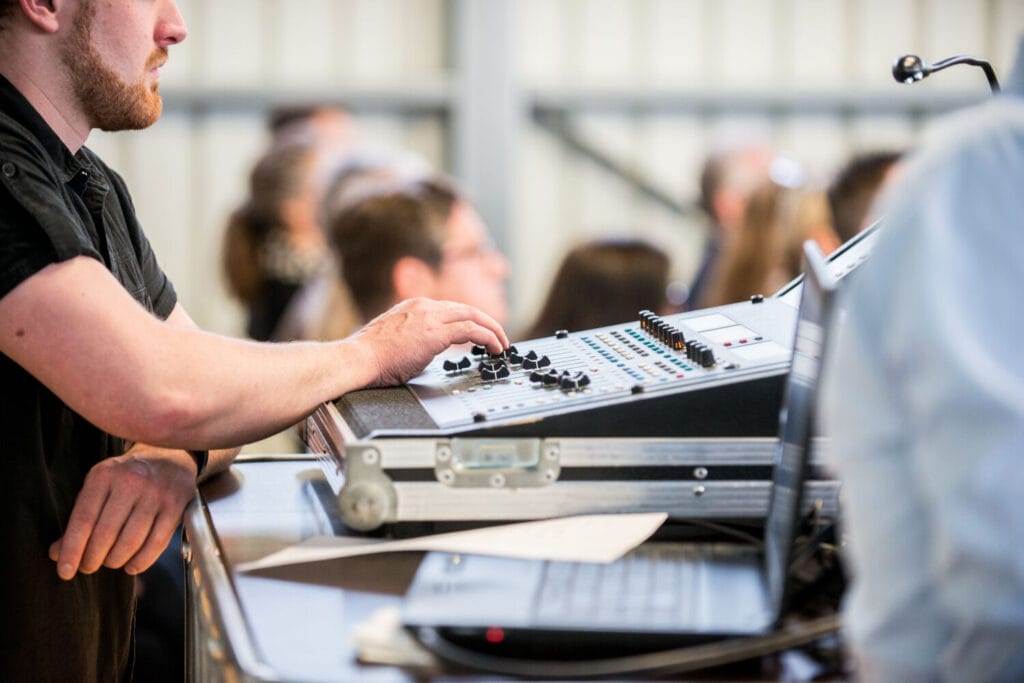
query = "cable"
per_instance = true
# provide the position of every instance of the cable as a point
(677, 660)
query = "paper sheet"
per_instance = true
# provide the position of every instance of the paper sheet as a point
(585, 538)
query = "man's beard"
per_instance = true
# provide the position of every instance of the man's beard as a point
(109, 103)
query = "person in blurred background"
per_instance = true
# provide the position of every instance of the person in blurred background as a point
(853, 192)
(762, 252)
(273, 242)
(603, 282)
(727, 179)
(417, 239)
(324, 309)
(327, 126)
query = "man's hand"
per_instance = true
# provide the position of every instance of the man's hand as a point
(403, 340)
(126, 512)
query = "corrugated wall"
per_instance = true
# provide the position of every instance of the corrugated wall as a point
(651, 83)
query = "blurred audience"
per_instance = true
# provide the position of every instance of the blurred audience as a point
(417, 238)
(852, 193)
(604, 282)
(762, 252)
(273, 242)
(727, 179)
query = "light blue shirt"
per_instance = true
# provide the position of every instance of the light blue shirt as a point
(924, 399)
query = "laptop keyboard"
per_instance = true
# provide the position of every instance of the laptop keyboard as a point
(645, 588)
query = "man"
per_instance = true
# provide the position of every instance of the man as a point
(416, 239)
(103, 374)
(924, 400)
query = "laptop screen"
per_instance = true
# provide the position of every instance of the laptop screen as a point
(796, 420)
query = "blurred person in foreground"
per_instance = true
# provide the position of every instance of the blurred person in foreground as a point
(604, 282)
(924, 401)
(419, 238)
(110, 396)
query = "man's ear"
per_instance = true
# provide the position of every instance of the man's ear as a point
(411, 277)
(45, 15)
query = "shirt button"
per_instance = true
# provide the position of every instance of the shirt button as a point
(8, 169)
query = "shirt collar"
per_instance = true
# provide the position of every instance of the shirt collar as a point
(21, 110)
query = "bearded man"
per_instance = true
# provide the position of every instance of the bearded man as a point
(110, 396)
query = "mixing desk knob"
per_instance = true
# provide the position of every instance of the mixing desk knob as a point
(543, 362)
(450, 366)
(464, 363)
(561, 334)
(492, 370)
(537, 377)
(572, 382)
(707, 357)
(529, 363)
(514, 358)
(531, 355)
(478, 350)
(551, 377)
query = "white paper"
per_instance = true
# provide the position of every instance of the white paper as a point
(585, 538)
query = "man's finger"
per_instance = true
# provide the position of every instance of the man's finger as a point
(105, 532)
(133, 535)
(159, 536)
(91, 500)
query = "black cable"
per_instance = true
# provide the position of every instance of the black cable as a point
(676, 660)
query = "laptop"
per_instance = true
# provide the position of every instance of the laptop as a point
(661, 594)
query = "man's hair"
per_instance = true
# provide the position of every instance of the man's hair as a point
(370, 235)
(604, 282)
(6, 9)
(853, 190)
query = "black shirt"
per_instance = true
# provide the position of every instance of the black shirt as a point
(56, 206)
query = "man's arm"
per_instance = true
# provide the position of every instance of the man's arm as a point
(218, 459)
(74, 328)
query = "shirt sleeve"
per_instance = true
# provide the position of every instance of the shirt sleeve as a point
(24, 247)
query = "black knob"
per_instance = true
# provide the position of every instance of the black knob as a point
(757, 299)
(529, 364)
(479, 417)
(574, 381)
(512, 349)
(537, 377)
(492, 370)
(478, 350)
(464, 363)
(551, 377)
(515, 358)
(543, 362)
(707, 357)
(450, 366)
(678, 340)
(561, 334)
(531, 354)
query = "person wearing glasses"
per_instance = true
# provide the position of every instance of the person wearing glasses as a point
(418, 238)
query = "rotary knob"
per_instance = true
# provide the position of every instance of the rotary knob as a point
(574, 381)
(493, 370)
